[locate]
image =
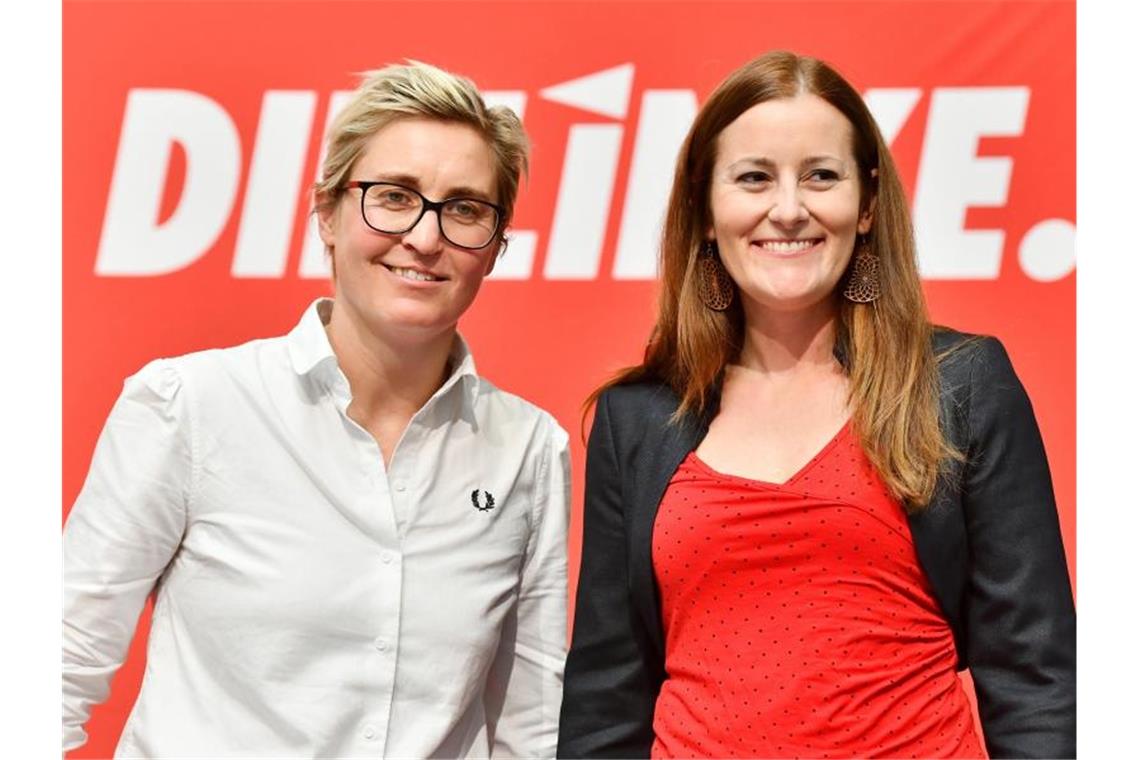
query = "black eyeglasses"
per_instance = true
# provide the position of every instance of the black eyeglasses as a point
(394, 209)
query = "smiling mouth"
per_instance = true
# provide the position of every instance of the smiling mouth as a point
(412, 274)
(787, 246)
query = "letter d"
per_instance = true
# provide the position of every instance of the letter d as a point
(133, 242)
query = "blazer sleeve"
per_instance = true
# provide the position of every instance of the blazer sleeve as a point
(1020, 622)
(609, 692)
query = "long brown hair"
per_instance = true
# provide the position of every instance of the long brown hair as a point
(885, 345)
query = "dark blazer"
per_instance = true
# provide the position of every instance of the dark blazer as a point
(989, 542)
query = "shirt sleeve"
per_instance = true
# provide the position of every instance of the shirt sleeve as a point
(121, 534)
(524, 691)
(1020, 622)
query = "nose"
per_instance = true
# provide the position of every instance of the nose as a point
(425, 237)
(788, 208)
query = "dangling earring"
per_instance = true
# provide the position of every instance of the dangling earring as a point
(714, 286)
(863, 283)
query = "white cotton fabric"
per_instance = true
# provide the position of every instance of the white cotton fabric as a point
(311, 602)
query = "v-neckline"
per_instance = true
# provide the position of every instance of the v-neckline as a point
(791, 480)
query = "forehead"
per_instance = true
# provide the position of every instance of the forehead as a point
(438, 155)
(787, 129)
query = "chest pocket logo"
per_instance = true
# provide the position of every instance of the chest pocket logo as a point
(486, 504)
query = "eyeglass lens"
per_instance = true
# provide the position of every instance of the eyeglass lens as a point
(465, 222)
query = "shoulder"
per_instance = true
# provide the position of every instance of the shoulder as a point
(646, 402)
(159, 381)
(217, 371)
(230, 359)
(639, 419)
(966, 360)
(511, 411)
(979, 387)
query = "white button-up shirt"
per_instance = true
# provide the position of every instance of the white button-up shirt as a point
(311, 602)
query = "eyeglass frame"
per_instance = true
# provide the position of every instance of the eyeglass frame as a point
(427, 205)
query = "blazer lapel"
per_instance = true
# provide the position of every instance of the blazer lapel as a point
(664, 448)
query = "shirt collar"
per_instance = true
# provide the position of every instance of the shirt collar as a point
(309, 348)
(463, 373)
(307, 342)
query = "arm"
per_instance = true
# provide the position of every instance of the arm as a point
(607, 707)
(1020, 623)
(120, 536)
(525, 685)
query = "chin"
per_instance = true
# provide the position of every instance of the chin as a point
(421, 322)
(789, 299)
(384, 318)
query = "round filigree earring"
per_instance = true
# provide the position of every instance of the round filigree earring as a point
(714, 285)
(863, 284)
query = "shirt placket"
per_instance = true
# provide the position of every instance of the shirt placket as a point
(387, 601)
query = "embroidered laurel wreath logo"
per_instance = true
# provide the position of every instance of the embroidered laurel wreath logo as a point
(488, 501)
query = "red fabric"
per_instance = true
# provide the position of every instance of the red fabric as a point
(798, 621)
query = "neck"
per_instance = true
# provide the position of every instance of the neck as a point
(786, 341)
(387, 374)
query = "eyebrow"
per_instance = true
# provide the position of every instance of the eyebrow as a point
(459, 191)
(764, 161)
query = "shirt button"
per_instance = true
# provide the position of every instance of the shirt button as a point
(369, 732)
(381, 644)
(386, 558)
(401, 486)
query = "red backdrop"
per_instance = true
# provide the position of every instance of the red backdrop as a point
(192, 131)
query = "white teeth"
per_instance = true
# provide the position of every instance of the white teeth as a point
(787, 246)
(411, 274)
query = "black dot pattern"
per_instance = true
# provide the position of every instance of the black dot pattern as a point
(798, 622)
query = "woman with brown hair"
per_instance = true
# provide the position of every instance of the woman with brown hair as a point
(807, 508)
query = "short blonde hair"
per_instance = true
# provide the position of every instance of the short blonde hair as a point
(421, 90)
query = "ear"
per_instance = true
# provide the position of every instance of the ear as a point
(326, 227)
(867, 217)
(500, 249)
(326, 221)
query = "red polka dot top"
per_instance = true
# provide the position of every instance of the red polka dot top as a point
(798, 622)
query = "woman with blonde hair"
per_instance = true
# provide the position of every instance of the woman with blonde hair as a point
(356, 542)
(808, 507)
